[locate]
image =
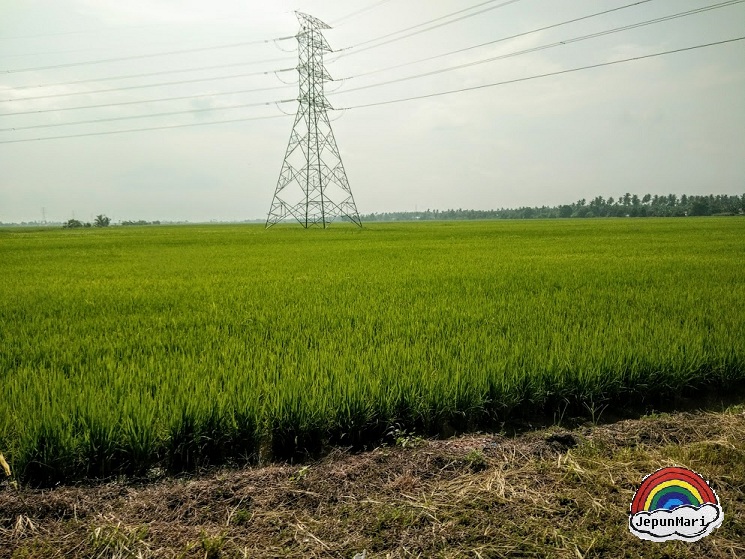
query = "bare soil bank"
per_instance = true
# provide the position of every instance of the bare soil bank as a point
(552, 492)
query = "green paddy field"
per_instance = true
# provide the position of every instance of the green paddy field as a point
(128, 348)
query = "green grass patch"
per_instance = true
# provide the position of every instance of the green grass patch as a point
(183, 347)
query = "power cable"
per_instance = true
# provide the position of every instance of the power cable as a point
(248, 43)
(548, 46)
(341, 114)
(281, 111)
(232, 45)
(392, 101)
(358, 12)
(283, 81)
(132, 117)
(523, 34)
(140, 102)
(276, 44)
(143, 129)
(149, 74)
(357, 50)
(129, 27)
(549, 74)
(142, 56)
(508, 55)
(129, 87)
(341, 84)
(55, 52)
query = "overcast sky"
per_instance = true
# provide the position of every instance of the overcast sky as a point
(669, 124)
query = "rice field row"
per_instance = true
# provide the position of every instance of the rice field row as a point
(181, 346)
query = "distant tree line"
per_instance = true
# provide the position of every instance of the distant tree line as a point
(74, 224)
(140, 222)
(100, 221)
(103, 221)
(628, 205)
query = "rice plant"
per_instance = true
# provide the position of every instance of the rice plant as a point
(183, 347)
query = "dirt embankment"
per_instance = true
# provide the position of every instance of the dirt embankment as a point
(547, 493)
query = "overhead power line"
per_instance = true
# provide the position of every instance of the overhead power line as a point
(142, 56)
(544, 47)
(150, 74)
(214, 67)
(149, 115)
(491, 59)
(358, 12)
(356, 48)
(464, 65)
(54, 52)
(451, 14)
(130, 87)
(116, 28)
(143, 101)
(549, 74)
(90, 62)
(244, 43)
(109, 132)
(401, 100)
(502, 39)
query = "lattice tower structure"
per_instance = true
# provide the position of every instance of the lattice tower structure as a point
(312, 187)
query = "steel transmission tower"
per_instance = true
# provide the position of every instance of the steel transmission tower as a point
(312, 186)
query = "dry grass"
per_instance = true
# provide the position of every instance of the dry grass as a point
(547, 493)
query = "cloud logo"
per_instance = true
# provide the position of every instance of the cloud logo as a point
(674, 504)
(686, 523)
